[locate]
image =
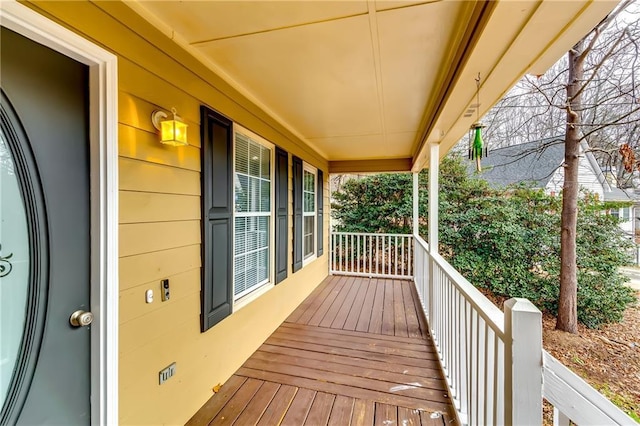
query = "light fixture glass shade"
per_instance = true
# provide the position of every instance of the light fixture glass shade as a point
(173, 132)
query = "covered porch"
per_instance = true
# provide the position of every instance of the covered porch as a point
(382, 86)
(323, 87)
(356, 351)
(395, 335)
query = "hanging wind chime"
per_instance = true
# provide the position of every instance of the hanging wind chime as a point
(477, 147)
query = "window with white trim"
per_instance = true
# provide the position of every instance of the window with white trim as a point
(309, 178)
(253, 219)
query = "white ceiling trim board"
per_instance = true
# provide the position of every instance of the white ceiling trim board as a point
(198, 43)
(375, 46)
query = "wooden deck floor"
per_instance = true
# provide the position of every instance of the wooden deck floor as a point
(355, 352)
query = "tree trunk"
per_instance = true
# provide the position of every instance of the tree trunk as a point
(567, 302)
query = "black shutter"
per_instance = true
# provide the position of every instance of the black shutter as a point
(297, 214)
(282, 213)
(217, 217)
(320, 213)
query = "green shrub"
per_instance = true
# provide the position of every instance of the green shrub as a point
(507, 241)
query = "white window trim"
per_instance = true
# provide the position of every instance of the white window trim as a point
(242, 301)
(103, 116)
(310, 169)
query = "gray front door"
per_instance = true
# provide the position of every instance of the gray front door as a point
(44, 235)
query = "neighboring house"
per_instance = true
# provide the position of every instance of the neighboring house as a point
(627, 214)
(135, 276)
(539, 164)
(532, 163)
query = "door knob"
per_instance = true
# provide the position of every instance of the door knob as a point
(81, 318)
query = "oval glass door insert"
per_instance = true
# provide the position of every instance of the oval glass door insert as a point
(14, 266)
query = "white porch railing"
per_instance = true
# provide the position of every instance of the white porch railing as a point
(469, 333)
(575, 400)
(493, 361)
(372, 255)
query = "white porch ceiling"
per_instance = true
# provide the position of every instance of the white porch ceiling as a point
(374, 80)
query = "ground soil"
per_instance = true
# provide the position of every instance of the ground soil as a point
(607, 358)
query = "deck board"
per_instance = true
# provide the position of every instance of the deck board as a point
(258, 404)
(325, 373)
(320, 409)
(297, 413)
(234, 407)
(413, 319)
(365, 342)
(363, 413)
(375, 325)
(355, 352)
(214, 405)
(278, 407)
(365, 369)
(407, 417)
(400, 313)
(338, 306)
(386, 415)
(325, 305)
(342, 411)
(431, 371)
(388, 310)
(347, 336)
(340, 318)
(361, 290)
(364, 319)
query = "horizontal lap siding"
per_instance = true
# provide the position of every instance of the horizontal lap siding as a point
(160, 220)
(587, 178)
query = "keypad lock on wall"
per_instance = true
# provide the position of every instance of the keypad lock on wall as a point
(165, 290)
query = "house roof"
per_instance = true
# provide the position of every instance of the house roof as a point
(532, 163)
(535, 163)
(369, 84)
(616, 194)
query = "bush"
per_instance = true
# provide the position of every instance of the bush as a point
(510, 244)
(507, 241)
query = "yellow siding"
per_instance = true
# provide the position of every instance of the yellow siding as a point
(150, 177)
(160, 220)
(203, 359)
(136, 207)
(157, 265)
(141, 145)
(139, 238)
(183, 284)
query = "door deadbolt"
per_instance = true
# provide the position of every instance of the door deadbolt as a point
(81, 318)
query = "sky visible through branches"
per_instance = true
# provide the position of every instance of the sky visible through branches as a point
(535, 108)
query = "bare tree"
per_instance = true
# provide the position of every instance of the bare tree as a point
(535, 108)
(567, 319)
(593, 95)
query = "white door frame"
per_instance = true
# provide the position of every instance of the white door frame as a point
(103, 95)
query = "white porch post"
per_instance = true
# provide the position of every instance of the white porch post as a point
(432, 237)
(522, 362)
(434, 169)
(415, 222)
(416, 200)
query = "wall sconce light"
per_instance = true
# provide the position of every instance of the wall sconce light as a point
(173, 131)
